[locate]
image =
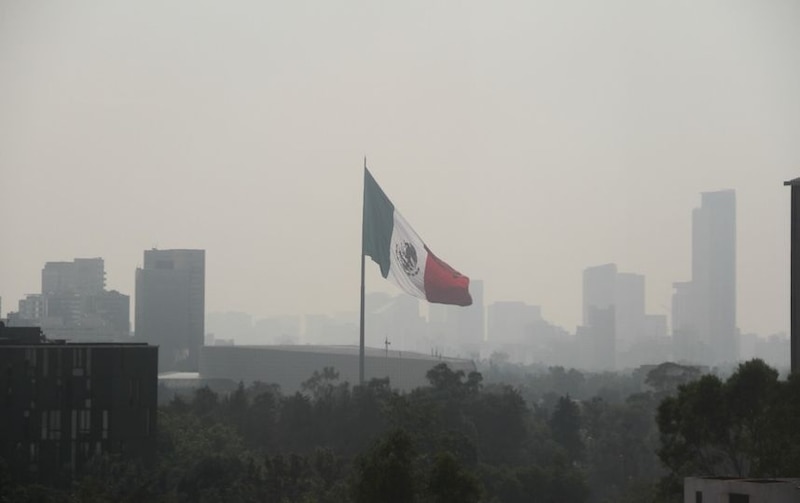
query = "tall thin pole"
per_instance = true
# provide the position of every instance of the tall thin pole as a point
(361, 322)
(361, 338)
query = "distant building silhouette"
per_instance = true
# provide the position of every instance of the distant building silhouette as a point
(75, 305)
(704, 310)
(598, 336)
(629, 309)
(84, 276)
(510, 322)
(460, 329)
(470, 320)
(170, 306)
(617, 332)
(65, 403)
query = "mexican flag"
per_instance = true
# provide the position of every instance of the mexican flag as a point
(402, 255)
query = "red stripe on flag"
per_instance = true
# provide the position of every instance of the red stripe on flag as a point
(445, 285)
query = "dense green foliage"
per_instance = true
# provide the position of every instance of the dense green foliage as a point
(519, 436)
(744, 426)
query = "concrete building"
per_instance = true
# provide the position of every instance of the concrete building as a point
(599, 339)
(170, 306)
(734, 490)
(655, 326)
(714, 274)
(470, 320)
(598, 335)
(290, 366)
(84, 276)
(599, 288)
(457, 329)
(65, 403)
(704, 309)
(629, 310)
(75, 305)
(604, 287)
(114, 309)
(29, 308)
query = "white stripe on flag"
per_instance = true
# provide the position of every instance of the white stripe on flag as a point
(407, 257)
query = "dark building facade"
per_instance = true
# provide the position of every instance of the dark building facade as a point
(63, 404)
(170, 306)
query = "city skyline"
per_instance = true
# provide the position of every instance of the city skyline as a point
(616, 333)
(524, 140)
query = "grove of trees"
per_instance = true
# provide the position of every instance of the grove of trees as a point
(516, 436)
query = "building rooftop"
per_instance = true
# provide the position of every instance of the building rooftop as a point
(33, 336)
(338, 350)
(179, 376)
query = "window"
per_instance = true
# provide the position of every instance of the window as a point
(30, 362)
(85, 422)
(738, 498)
(54, 432)
(10, 390)
(105, 424)
(78, 361)
(698, 497)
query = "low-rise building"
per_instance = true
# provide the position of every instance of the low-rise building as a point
(737, 490)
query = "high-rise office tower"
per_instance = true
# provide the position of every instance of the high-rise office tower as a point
(714, 274)
(170, 306)
(704, 309)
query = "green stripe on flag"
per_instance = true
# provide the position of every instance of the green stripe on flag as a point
(378, 221)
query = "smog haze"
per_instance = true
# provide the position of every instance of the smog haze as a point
(524, 141)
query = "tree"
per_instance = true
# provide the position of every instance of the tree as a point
(386, 473)
(449, 482)
(565, 424)
(737, 428)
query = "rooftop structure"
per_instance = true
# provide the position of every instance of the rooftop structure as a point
(290, 366)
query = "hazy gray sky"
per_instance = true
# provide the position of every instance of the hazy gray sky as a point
(524, 140)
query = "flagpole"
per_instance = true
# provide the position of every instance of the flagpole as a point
(361, 322)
